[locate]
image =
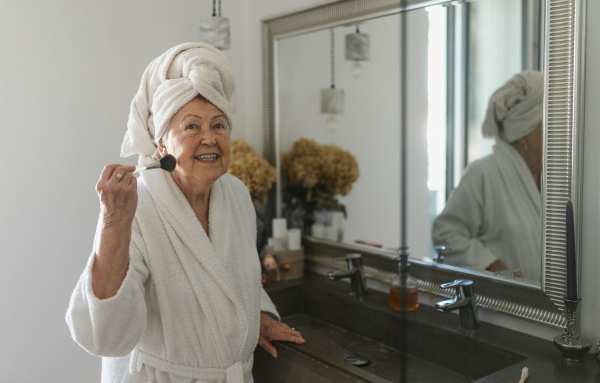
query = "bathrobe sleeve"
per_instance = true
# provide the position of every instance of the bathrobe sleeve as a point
(110, 327)
(462, 222)
(267, 305)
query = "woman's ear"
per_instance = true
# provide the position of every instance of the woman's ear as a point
(162, 149)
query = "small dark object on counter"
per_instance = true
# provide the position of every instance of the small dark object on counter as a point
(357, 360)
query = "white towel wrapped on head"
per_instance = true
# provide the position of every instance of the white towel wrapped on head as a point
(516, 108)
(170, 81)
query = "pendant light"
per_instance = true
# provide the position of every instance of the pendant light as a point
(215, 30)
(357, 49)
(332, 99)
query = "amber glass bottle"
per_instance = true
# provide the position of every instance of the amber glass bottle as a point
(412, 290)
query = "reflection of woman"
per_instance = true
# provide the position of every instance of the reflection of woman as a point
(492, 219)
(172, 291)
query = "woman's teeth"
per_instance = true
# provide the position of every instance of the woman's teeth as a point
(207, 157)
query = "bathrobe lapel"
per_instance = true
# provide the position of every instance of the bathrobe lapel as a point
(512, 165)
(205, 261)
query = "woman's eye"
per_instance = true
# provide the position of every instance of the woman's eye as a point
(191, 127)
(219, 126)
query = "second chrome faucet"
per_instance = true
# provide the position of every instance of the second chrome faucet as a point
(355, 272)
(464, 302)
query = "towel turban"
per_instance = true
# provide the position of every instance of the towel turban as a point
(516, 108)
(170, 81)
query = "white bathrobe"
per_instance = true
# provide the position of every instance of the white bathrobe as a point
(189, 307)
(494, 214)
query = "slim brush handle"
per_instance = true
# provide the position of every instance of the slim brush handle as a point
(141, 168)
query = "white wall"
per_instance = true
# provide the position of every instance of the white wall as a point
(68, 72)
(369, 124)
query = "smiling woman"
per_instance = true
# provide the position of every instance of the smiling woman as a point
(166, 296)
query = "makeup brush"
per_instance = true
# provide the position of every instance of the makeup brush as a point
(167, 163)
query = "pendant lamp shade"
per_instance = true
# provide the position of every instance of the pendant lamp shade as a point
(332, 101)
(357, 47)
(215, 30)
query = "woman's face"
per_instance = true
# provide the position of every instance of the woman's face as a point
(199, 140)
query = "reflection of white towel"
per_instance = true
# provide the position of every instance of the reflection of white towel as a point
(494, 214)
(189, 306)
(516, 108)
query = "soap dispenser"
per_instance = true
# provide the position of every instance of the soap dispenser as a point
(404, 278)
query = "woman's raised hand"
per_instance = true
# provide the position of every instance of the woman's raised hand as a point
(117, 189)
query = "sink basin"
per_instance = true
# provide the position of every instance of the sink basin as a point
(335, 326)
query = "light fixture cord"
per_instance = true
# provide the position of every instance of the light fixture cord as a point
(219, 8)
(332, 61)
(214, 8)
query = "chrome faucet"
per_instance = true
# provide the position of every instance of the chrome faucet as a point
(464, 302)
(439, 250)
(355, 272)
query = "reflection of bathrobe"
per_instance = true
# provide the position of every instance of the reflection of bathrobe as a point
(189, 307)
(494, 214)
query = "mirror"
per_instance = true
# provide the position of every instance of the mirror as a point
(517, 297)
(458, 55)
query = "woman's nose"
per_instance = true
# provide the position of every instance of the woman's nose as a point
(207, 137)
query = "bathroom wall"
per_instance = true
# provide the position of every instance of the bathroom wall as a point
(368, 126)
(68, 73)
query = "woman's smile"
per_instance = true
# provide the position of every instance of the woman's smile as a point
(207, 158)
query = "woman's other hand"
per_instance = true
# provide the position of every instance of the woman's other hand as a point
(271, 329)
(117, 190)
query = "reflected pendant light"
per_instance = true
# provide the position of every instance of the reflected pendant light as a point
(332, 99)
(215, 30)
(357, 49)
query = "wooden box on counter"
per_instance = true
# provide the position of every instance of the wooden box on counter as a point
(290, 263)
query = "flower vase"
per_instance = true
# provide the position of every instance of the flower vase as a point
(298, 216)
(262, 227)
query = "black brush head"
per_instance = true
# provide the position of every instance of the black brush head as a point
(168, 163)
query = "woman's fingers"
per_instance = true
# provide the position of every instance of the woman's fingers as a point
(117, 189)
(264, 343)
(288, 335)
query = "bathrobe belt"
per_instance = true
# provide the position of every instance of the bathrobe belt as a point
(232, 374)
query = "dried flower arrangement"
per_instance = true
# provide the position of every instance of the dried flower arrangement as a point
(314, 174)
(256, 173)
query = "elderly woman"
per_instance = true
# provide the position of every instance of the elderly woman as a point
(492, 220)
(172, 290)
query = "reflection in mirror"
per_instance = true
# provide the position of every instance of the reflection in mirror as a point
(492, 220)
(458, 55)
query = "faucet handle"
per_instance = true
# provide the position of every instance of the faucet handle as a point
(464, 287)
(354, 260)
(440, 249)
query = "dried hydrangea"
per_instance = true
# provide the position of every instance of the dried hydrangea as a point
(256, 173)
(303, 165)
(317, 173)
(340, 170)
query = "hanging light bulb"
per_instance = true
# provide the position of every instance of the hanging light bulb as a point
(332, 99)
(331, 123)
(215, 30)
(357, 50)
(357, 69)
